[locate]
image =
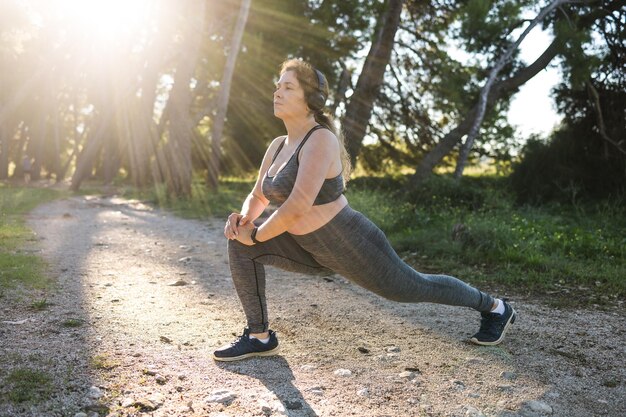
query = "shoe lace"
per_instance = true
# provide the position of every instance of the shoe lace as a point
(244, 338)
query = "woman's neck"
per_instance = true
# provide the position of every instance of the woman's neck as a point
(297, 128)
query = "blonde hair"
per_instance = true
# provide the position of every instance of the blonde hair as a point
(308, 79)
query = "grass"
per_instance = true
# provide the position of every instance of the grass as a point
(28, 385)
(103, 362)
(17, 266)
(71, 323)
(40, 305)
(202, 203)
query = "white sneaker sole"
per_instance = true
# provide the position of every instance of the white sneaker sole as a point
(272, 352)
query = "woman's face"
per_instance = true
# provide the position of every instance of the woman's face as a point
(289, 97)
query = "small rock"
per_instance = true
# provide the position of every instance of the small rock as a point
(160, 379)
(407, 374)
(316, 391)
(459, 385)
(392, 349)
(508, 375)
(95, 393)
(265, 407)
(182, 377)
(157, 398)
(179, 283)
(127, 402)
(505, 388)
(343, 372)
(363, 350)
(473, 412)
(145, 404)
(179, 388)
(80, 415)
(185, 259)
(307, 368)
(538, 407)
(363, 392)
(473, 395)
(150, 371)
(222, 396)
(165, 339)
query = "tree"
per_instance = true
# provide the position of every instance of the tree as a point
(359, 109)
(484, 92)
(222, 103)
(505, 87)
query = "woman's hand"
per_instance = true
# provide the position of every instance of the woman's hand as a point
(234, 223)
(235, 220)
(244, 234)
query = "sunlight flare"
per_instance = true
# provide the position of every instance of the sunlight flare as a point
(107, 20)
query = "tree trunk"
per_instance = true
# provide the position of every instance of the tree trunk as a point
(5, 139)
(484, 92)
(110, 156)
(178, 167)
(139, 125)
(222, 103)
(93, 146)
(359, 108)
(37, 142)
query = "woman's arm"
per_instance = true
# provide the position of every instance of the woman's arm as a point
(255, 202)
(316, 157)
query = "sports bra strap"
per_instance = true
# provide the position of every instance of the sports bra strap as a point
(306, 137)
(279, 149)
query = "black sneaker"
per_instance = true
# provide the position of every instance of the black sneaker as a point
(493, 326)
(244, 347)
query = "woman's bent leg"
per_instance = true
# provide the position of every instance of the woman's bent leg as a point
(248, 272)
(354, 247)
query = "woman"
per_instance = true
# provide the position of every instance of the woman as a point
(314, 229)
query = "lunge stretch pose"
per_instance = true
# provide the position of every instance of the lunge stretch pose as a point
(314, 229)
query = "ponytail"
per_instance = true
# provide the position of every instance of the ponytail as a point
(327, 120)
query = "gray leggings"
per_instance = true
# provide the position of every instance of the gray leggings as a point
(352, 246)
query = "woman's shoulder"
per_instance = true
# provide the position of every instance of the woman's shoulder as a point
(275, 143)
(323, 137)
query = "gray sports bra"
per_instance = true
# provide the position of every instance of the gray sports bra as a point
(277, 188)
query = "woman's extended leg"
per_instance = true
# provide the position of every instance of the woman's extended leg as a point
(354, 247)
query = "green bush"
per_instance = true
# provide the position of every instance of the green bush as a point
(575, 166)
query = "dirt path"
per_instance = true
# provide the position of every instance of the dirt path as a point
(144, 297)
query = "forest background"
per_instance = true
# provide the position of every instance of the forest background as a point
(174, 98)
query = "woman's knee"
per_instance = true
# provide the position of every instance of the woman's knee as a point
(235, 247)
